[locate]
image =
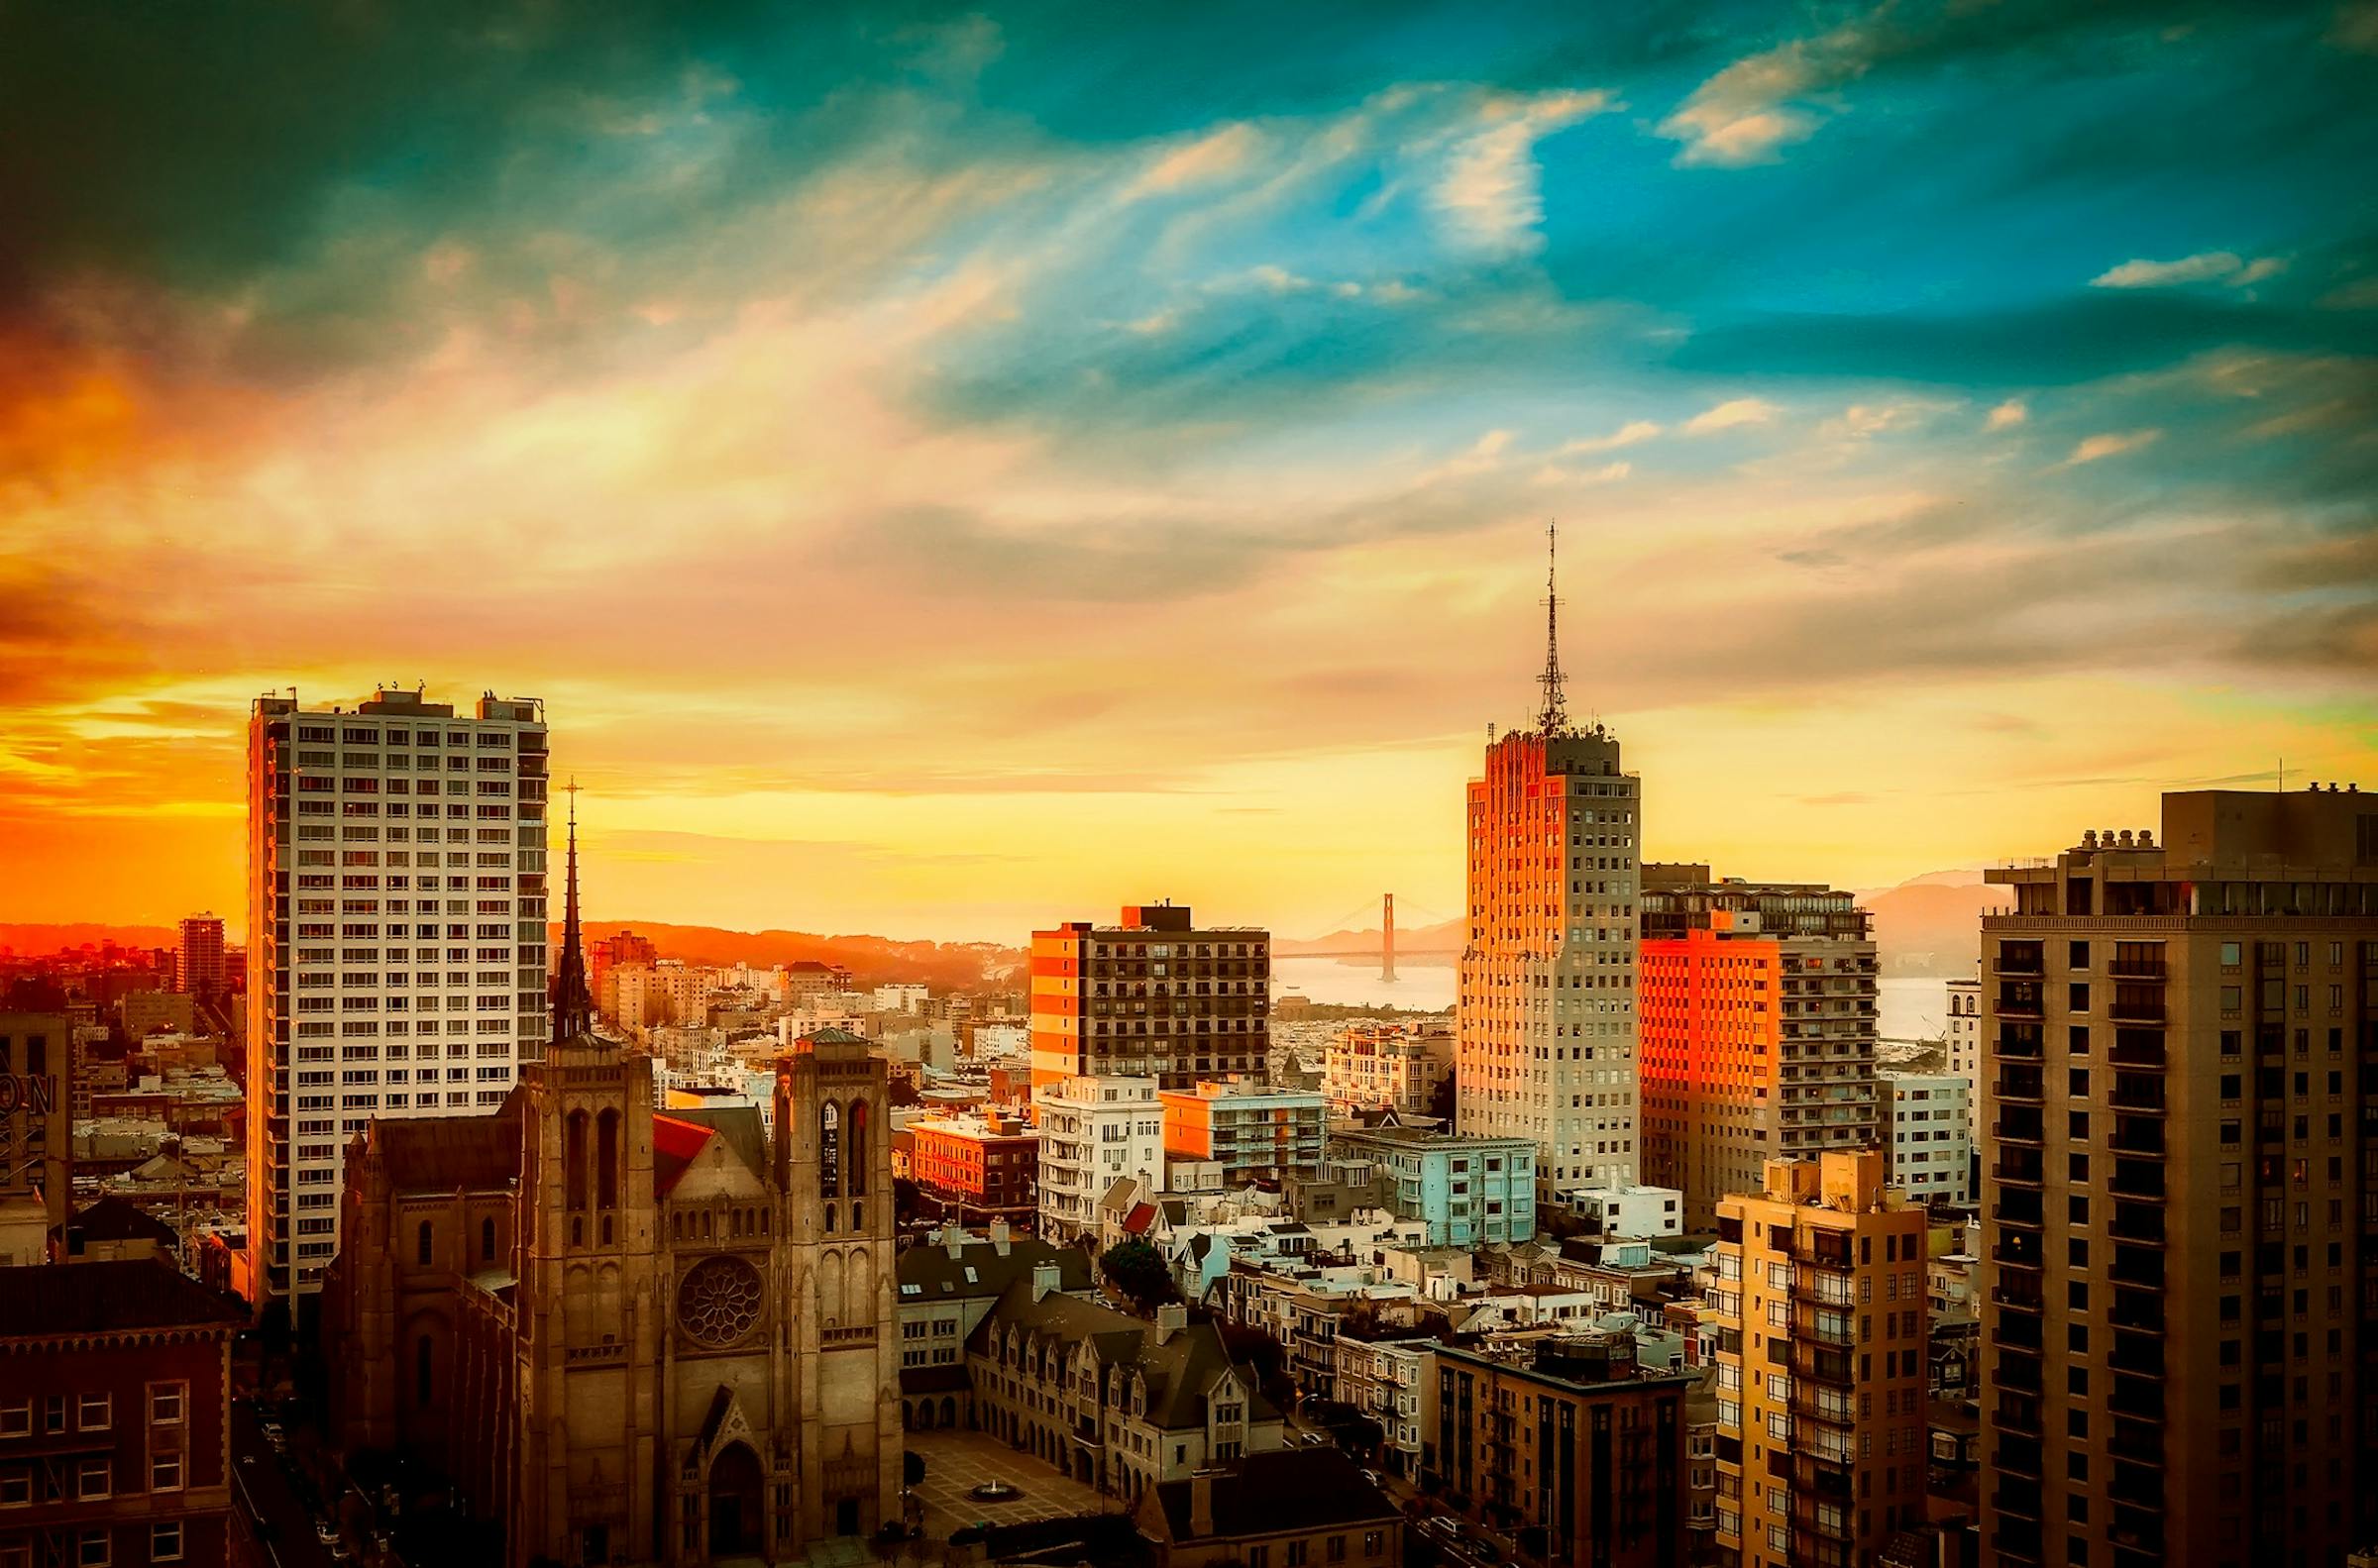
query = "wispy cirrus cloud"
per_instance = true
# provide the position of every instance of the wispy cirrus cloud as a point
(1731, 414)
(2223, 267)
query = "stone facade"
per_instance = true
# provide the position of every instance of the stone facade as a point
(633, 1336)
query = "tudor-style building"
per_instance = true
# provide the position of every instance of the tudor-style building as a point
(630, 1337)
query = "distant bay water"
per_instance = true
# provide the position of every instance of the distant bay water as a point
(1912, 1008)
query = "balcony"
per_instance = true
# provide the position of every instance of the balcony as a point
(1823, 1364)
(2140, 1095)
(2137, 1265)
(2139, 1353)
(2017, 1249)
(2018, 1414)
(2140, 1311)
(2129, 1009)
(2016, 1457)
(2018, 1125)
(2018, 1374)
(1829, 1521)
(2018, 1083)
(2019, 1291)
(2021, 1167)
(2141, 1397)
(2138, 1225)
(2019, 1040)
(1822, 1326)
(1825, 1289)
(2020, 1502)
(1823, 1406)
(2018, 1333)
(2137, 1529)
(2021, 1207)
(2137, 1441)
(2020, 958)
(2137, 1135)
(2136, 1176)
(2138, 1048)
(2018, 1000)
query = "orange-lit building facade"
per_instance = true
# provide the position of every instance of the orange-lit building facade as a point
(622, 947)
(978, 1168)
(1759, 1020)
(1545, 1022)
(1821, 1316)
(1254, 1132)
(1151, 997)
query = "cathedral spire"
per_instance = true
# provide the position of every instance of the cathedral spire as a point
(573, 1007)
(1554, 719)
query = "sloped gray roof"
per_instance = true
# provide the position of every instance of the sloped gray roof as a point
(1179, 1372)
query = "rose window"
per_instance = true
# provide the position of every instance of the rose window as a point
(719, 1301)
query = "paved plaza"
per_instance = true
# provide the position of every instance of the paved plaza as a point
(957, 1460)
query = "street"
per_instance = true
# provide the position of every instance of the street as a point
(276, 1498)
(1459, 1541)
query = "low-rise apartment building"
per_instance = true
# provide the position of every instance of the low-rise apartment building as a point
(1094, 1132)
(1254, 1132)
(947, 1284)
(1926, 1142)
(1569, 1436)
(1114, 1402)
(115, 1396)
(1387, 1066)
(1284, 1510)
(1468, 1191)
(978, 1169)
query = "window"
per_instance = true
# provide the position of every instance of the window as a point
(165, 1472)
(91, 1551)
(164, 1543)
(422, 1244)
(93, 1479)
(16, 1486)
(164, 1403)
(94, 1412)
(16, 1421)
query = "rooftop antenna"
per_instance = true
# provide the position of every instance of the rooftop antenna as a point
(1554, 719)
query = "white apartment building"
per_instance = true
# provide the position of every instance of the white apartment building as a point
(1963, 1041)
(1094, 1132)
(900, 998)
(1386, 1067)
(396, 953)
(1928, 1138)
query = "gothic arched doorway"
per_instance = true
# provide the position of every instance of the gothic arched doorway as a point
(736, 1491)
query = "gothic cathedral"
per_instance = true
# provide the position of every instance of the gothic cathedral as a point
(632, 1336)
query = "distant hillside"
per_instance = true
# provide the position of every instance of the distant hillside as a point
(1446, 936)
(32, 939)
(1933, 924)
(872, 960)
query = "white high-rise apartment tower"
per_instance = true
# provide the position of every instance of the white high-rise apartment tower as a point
(396, 941)
(1546, 1017)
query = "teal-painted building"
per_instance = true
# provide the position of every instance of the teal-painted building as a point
(1467, 1190)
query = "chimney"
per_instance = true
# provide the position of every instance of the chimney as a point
(1201, 1504)
(1172, 1318)
(999, 1236)
(953, 1239)
(1047, 1278)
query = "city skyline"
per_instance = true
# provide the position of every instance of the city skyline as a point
(941, 473)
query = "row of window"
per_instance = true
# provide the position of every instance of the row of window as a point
(92, 1413)
(96, 1548)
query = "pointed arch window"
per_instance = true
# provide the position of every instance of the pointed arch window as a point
(606, 1161)
(487, 1241)
(422, 1245)
(573, 1160)
(829, 1150)
(855, 1161)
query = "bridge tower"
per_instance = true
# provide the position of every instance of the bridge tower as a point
(1387, 938)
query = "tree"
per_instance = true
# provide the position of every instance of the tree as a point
(1440, 1099)
(912, 1468)
(1138, 1269)
(1361, 1436)
(899, 1092)
(1253, 1347)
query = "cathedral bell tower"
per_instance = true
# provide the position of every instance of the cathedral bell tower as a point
(588, 1302)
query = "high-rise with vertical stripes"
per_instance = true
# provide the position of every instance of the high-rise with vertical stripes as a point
(396, 940)
(1547, 1022)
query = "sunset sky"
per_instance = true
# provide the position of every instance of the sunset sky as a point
(947, 472)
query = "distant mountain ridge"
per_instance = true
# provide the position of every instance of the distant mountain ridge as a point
(1446, 936)
(1932, 926)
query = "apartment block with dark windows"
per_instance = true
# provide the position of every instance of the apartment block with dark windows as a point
(1569, 1445)
(2180, 1312)
(1153, 995)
